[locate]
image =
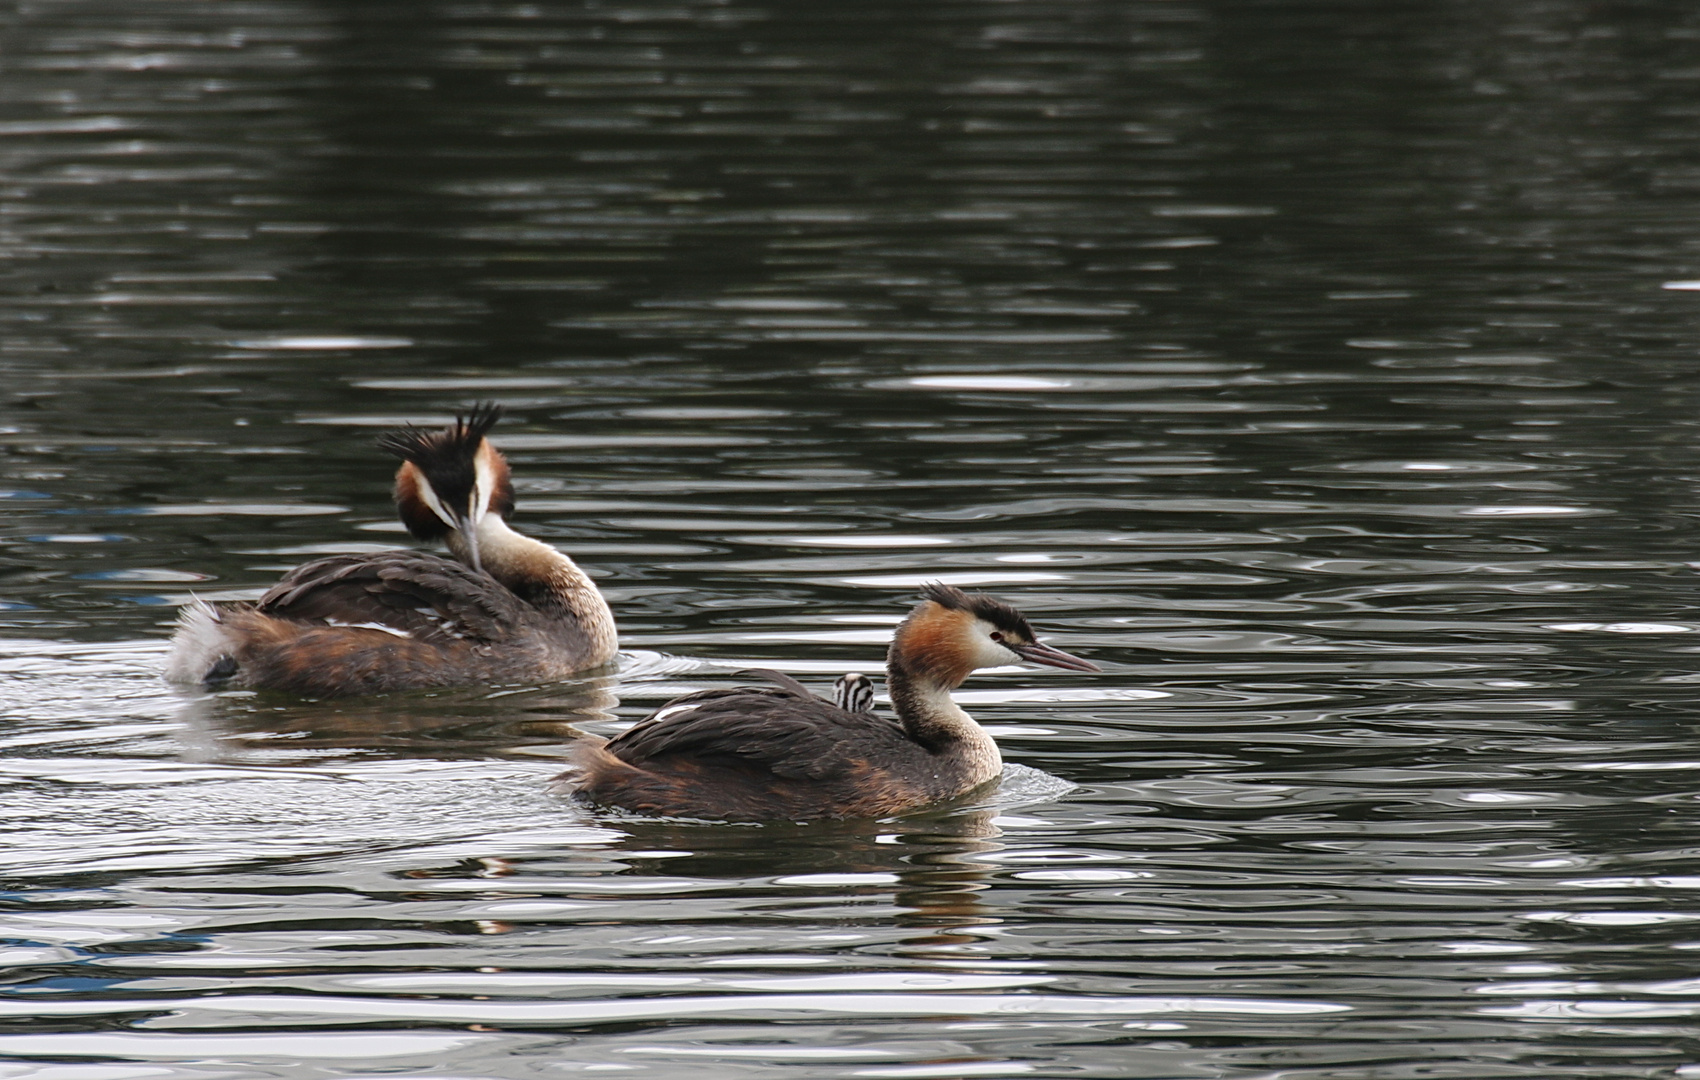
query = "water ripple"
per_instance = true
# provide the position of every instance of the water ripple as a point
(1362, 464)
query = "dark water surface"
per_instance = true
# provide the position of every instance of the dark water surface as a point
(1323, 370)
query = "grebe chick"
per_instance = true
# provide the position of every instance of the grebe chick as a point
(506, 609)
(780, 753)
(854, 692)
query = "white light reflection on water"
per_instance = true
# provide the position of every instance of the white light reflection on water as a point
(321, 343)
(195, 1012)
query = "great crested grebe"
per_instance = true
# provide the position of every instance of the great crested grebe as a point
(780, 753)
(506, 609)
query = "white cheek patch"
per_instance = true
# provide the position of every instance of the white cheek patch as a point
(989, 653)
(429, 497)
(483, 484)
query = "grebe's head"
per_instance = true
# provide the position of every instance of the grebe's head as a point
(450, 480)
(952, 633)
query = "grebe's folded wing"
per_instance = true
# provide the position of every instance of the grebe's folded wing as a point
(410, 592)
(777, 678)
(789, 735)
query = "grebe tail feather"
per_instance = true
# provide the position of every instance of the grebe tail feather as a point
(202, 649)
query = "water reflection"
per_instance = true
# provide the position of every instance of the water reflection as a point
(247, 727)
(1324, 370)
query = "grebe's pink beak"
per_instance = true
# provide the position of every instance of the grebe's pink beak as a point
(1038, 653)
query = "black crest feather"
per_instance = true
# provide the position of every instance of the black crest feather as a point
(448, 458)
(991, 609)
(435, 451)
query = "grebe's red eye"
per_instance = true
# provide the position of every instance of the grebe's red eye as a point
(997, 635)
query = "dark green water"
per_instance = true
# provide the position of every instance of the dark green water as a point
(1325, 371)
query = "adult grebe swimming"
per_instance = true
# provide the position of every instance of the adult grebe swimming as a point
(510, 609)
(780, 753)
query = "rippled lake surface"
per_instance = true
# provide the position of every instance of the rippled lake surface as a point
(1324, 371)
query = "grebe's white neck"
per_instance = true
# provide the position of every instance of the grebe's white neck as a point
(543, 577)
(933, 719)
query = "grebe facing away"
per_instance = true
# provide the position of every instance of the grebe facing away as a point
(508, 609)
(780, 753)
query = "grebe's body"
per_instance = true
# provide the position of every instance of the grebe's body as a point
(780, 753)
(506, 609)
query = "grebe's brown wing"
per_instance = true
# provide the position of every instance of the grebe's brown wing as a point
(424, 596)
(778, 678)
(790, 734)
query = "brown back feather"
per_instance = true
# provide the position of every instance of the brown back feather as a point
(431, 598)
